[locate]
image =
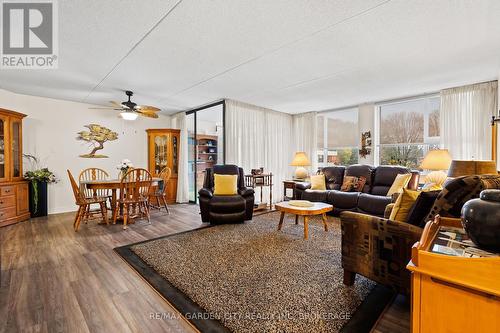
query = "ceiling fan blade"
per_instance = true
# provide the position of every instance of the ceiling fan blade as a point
(115, 104)
(105, 108)
(147, 108)
(147, 114)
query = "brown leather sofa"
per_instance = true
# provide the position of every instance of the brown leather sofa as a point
(371, 200)
(219, 209)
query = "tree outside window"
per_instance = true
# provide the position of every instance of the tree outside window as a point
(408, 130)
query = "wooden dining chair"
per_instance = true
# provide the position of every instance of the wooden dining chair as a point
(84, 204)
(160, 193)
(134, 193)
(93, 174)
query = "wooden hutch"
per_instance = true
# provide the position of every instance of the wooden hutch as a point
(163, 151)
(14, 198)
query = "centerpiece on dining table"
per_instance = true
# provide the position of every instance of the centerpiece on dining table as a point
(124, 167)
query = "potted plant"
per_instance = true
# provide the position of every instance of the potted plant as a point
(39, 178)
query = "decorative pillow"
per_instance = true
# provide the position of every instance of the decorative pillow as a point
(403, 205)
(399, 183)
(361, 183)
(350, 184)
(330, 182)
(225, 184)
(421, 208)
(318, 182)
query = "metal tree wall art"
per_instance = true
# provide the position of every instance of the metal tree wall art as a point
(366, 143)
(96, 136)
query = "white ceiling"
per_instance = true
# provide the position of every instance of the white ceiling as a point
(289, 55)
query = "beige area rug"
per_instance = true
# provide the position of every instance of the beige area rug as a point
(252, 278)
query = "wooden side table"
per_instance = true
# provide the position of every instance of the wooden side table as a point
(262, 180)
(452, 293)
(289, 184)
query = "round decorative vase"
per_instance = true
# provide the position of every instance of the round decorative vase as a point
(481, 220)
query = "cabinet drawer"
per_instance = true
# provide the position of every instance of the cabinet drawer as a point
(7, 213)
(7, 201)
(7, 190)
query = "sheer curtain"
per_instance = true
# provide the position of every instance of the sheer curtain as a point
(179, 122)
(305, 127)
(258, 137)
(465, 120)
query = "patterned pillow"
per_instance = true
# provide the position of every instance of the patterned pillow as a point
(350, 184)
(361, 183)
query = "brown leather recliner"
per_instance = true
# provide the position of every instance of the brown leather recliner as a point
(221, 209)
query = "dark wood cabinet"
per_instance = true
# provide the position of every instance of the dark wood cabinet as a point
(14, 200)
(163, 151)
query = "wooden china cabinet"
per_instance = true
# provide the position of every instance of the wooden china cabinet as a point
(163, 151)
(14, 202)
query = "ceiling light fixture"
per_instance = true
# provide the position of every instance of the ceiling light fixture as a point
(128, 115)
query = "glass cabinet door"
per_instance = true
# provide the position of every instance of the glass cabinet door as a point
(16, 150)
(3, 140)
(161, 152)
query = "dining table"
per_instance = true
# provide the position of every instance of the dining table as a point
(113, 185)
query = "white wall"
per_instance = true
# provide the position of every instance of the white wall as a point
(366, 122)
(50, 130)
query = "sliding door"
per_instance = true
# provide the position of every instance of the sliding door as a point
(206, 143)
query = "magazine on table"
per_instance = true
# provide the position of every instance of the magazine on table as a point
(455, 242)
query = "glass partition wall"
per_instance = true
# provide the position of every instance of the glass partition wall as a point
(205, 143)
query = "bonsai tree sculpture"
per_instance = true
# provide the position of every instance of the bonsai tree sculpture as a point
(96, 137)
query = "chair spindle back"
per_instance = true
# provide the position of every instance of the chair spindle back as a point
(135, 184)
(93, 174)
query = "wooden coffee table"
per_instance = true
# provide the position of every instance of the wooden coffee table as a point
(319, 208)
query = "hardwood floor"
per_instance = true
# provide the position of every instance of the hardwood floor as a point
(55, 280)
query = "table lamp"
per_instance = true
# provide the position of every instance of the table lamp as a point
(460, 168)
(300, 161)
(437, 161)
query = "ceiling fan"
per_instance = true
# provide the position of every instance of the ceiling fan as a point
(130, 110)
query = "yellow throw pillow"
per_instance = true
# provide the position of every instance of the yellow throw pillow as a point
(403, 205)
(225, 184)
(318, 182)
(399, 183)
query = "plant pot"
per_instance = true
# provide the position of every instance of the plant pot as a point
(481, 220)
(38, 198)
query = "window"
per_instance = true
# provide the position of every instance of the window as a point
(338, 138)
(407, 130)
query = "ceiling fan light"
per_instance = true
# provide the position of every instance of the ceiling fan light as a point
(127, 115)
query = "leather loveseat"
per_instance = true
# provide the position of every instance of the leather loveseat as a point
(370, 200)
(220, 209)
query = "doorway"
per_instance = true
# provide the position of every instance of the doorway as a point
(206, 146)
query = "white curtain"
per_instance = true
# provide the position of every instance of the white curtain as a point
(258, 137)
(465, 120)
(305, 136)
(179, 122)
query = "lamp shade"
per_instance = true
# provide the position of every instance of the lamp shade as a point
(128, 115)
(438, 159)
(300, 159)
(460, 168)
